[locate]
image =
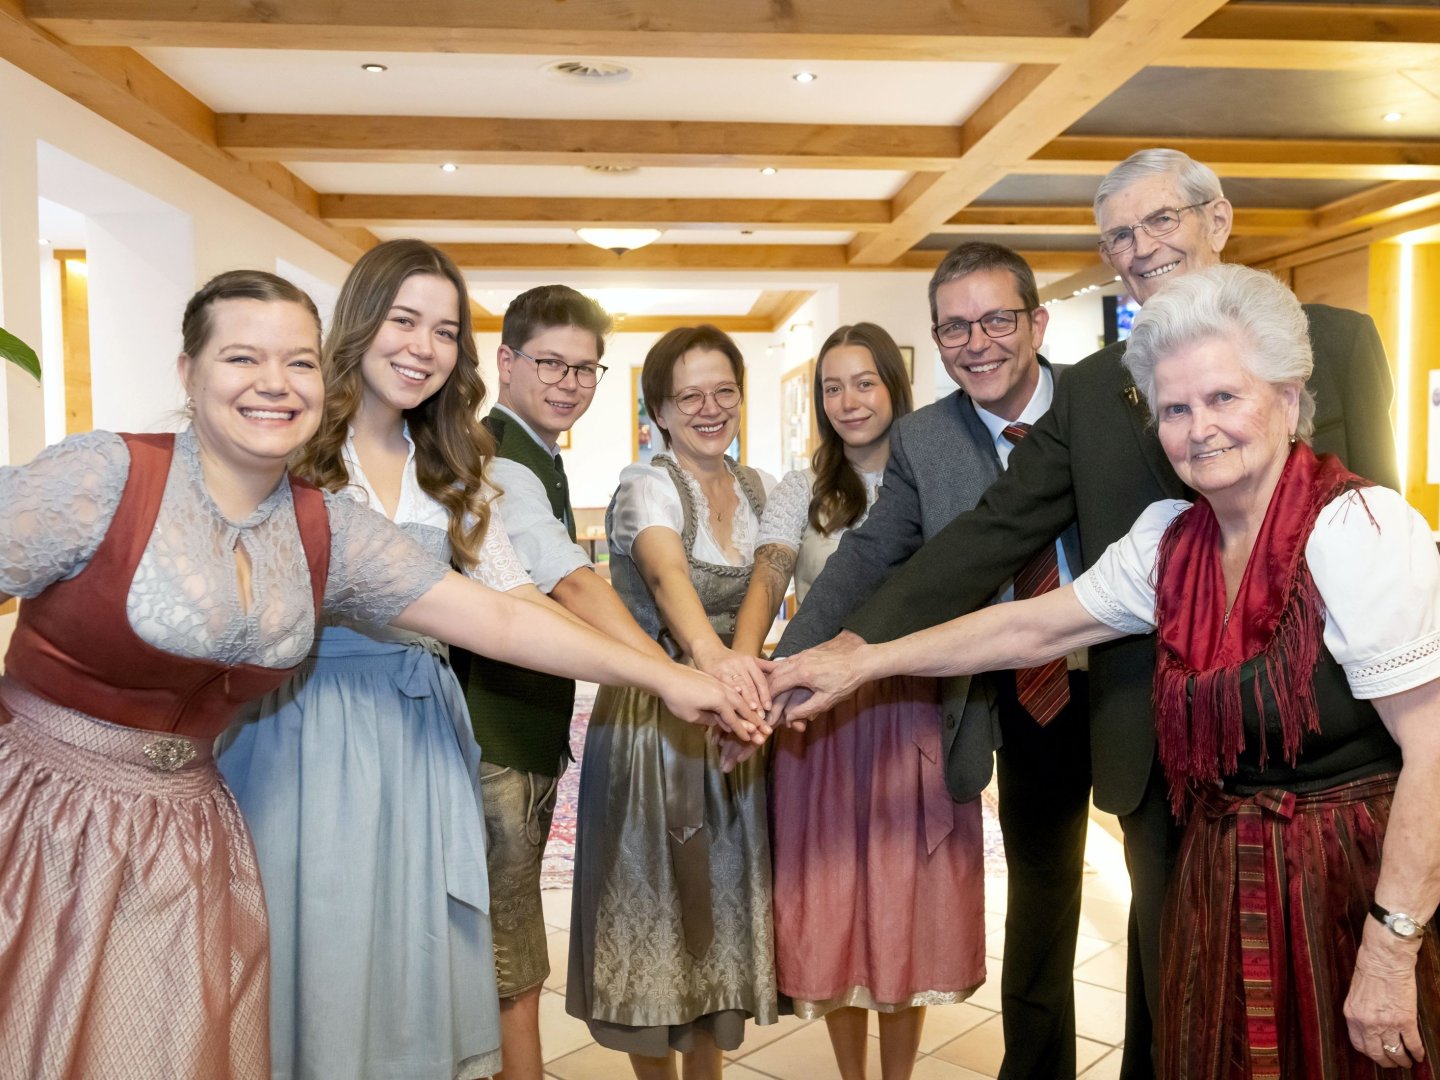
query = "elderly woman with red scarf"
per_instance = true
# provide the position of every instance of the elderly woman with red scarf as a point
(1297, 702)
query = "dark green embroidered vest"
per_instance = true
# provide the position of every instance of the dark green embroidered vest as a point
(522, 717)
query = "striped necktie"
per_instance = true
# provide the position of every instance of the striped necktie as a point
(1042, 691)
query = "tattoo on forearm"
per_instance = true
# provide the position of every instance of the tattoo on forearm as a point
(773, 566)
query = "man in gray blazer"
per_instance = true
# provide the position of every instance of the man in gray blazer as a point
(989, 326)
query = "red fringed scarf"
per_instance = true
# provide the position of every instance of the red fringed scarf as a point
(1278, 617)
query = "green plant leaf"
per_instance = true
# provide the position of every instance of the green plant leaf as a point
(18, 353)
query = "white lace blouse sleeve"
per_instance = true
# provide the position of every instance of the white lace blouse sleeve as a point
(1374, 562)
(499, 567)
(646, 497)
(57, 510)
(376, 569)
(787, 511)
(1119, 590)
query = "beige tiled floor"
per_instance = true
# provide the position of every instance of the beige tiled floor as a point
(961, 1042)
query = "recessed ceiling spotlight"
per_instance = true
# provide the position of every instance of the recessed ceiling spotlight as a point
(804, 76)
(44, 242)
(449, 166)
(374, 69)
(1393, 117)
(769, 170)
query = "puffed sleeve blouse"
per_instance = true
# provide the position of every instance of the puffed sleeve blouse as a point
(647, 497)
(1374, 563)
(184, 598)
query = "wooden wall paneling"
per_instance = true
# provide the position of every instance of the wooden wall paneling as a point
(75, 335)
(1341, 281)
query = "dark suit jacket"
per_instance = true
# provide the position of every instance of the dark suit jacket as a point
(1095, 460)
(942, 459)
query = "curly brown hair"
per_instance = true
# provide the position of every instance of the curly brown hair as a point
(452, 448)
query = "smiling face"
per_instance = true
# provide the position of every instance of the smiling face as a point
(549, 409)
(1225, 431)
(256, 385)
(999, 374)
(705, 436)
(856, 402)
(415, 349)
(1196, 244)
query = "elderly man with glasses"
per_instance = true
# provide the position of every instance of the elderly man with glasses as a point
(1095, 462)
(1029, 728)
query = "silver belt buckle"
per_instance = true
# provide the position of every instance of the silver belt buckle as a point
(170, 753)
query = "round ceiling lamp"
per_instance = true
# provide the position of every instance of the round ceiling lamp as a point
(619, 240)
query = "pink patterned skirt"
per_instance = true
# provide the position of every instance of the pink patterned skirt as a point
(133, 936)
(879, 874)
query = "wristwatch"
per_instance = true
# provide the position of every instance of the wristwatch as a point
(1398, 923)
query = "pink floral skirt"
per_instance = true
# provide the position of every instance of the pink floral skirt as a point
(879, 874)
(132, 923)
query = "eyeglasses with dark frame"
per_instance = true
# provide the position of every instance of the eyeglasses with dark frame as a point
(551, 371)
(1162, 222)
(995, 324)
(691, 401)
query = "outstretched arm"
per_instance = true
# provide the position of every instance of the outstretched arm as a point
(497, 625)
(774, 566)
(966, 563)
(1022, 634)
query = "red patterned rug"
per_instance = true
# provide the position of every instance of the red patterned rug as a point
(559, 866)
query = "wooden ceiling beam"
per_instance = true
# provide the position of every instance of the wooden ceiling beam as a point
(1313, 37)
(506, 141)
(1355, 220)
(658, 324)
(1033, 106)
(778, 305)
(1310, 36)
(748, 257)
(1038, 31)
(402, 211)
(861, 215)
(1284, 159)
(123, 87)
(932, 151)
(1096, 274)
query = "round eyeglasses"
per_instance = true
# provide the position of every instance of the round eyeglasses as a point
(995, 324)
(551, 371)
(692, 401)
(1161, 223)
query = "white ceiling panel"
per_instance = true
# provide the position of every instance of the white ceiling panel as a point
(437, 84)
(577, 181)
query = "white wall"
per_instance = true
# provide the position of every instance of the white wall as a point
(601, 441)
(194, 230)
(1076, 329)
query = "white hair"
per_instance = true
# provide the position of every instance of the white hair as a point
(1250, 308)
(1198, 183)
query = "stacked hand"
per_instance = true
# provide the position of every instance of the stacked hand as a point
(801, 687)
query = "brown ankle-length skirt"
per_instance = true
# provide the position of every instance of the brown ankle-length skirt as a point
(132, 922)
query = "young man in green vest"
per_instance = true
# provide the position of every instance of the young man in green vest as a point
(552, 341)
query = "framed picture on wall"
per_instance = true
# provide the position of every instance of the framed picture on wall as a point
(907, 353)
(563, 443)
(645, 438)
